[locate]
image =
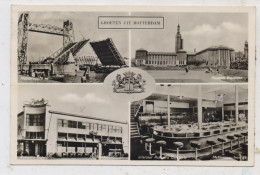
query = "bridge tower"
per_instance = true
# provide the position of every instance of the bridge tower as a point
(68, 33)
(24, 26)
(22, 39)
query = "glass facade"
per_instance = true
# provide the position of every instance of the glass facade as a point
(34, 135)
(89, 126)
(35, 119)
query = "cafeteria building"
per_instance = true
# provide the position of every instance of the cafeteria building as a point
(44, 132)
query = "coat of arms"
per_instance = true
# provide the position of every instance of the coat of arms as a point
(129, 83)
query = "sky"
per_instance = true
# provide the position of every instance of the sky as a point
(91, 100)
(84, 23)
(198, 30)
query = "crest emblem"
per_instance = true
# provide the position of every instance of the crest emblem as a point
(129, 83)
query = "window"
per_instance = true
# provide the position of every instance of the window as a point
(62, 123)
(99, 127)
(104, 127)
(95, 126)
(40, 135)
(81, 125)
(72, 124)
(114, 129)
(91, 126)
(62, 135)
(65, 123)
(72, 136)
(87, 125)
(35, 120)
(110, 129)
(34, 135)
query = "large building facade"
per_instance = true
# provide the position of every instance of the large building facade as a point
(216, 56)
(212, 56)
(43, 132)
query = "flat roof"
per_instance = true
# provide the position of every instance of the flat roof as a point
(218, 47)
(84, 116)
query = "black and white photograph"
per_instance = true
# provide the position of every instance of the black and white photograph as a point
(71, 125)
(194, 48)
(191, 122)
(132, 85)
(68, 47)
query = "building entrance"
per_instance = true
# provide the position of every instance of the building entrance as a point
(35, 148)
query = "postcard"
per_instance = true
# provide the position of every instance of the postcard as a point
(132, 85)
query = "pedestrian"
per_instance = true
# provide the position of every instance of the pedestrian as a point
(187, 69)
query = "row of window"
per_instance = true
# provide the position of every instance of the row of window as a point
(82, 137)
(161, 56)
(181, 62)
(160, 62)
(89, 126)
(35, 119)
(34, 135)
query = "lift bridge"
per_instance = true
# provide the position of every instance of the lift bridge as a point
(60, 56)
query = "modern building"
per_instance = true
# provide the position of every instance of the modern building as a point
(212, 56)
(191, 57)
(44, 132)
(216, 56)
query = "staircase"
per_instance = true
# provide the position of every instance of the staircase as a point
(134, 123)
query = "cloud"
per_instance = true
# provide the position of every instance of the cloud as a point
(206, 29)
(88, 98)
(93, 98)
(233, 27)
(205, 35)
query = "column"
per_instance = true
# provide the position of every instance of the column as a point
(219, 57)
(36, 148)
(222, 118)
(199, 107)
(144, 106)
(236, 105)
(26, 147)
(99, 151)
(169, 112)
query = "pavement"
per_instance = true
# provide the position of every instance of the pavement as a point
(181, 76)
(73, 158)
(93, 78)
